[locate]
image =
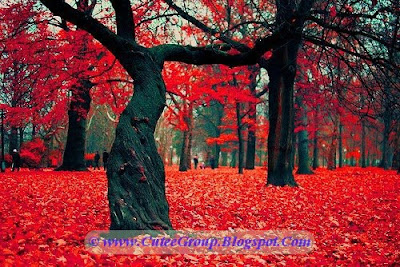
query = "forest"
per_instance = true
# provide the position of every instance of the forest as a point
(216, 115)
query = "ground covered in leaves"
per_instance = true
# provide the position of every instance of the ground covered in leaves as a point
(353, 214)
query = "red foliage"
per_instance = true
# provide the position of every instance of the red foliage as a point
(32, 152)
(55, 157)
(352, 213)
(89, 156)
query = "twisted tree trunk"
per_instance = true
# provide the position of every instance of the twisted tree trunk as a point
(136, 176)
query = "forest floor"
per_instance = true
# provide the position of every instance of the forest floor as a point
(353, 214)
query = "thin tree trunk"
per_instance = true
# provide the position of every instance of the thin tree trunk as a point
(251, 130)
(13, 136)
(224, 156)
(185, 158)
(2, 162)
(240, 137)
(385, 142)
(219, 115)
(251, 143)
(363, 160)
(21, 136)
(340, 144)
(315, 153)
(13, 139)
(260, 155)
(74, 154)
(294, 150)
(233, 159)
(304, 160)
(396, 156)
(33, 131)
(217, 154)
(333, 146)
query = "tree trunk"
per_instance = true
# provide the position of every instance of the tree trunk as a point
(304, 160)
(260, 155)
(2, 161)
(233, 159)
(136, 176)
(251, 145)
(240, 137)
(340, 144)
(281, 71)
(185, 158)
(13, 139)
(33, 131)
(385, 142)
(224, 156)
(396, 156)
(251, 132)
(332, 148)
(217, 152)
(74, 154)
(315, 152)
(363, 160)
(21, 136)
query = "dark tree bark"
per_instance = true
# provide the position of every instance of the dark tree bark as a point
(385, 141)
(21, 136)
(219, 115)
(224, 156)
(333, 146)
(260, 157)
(281, 71)
(13, 140)
(251, 140)
(2, 162)
(33, 131)
(251, 130)
(315, 152)
(74, 154)
(363, 156)
(185, 158)
(217, 155)
(136, 176)
(340, 144)
(233, 159)
(240, 136)
(396, 156)
(304, 159)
